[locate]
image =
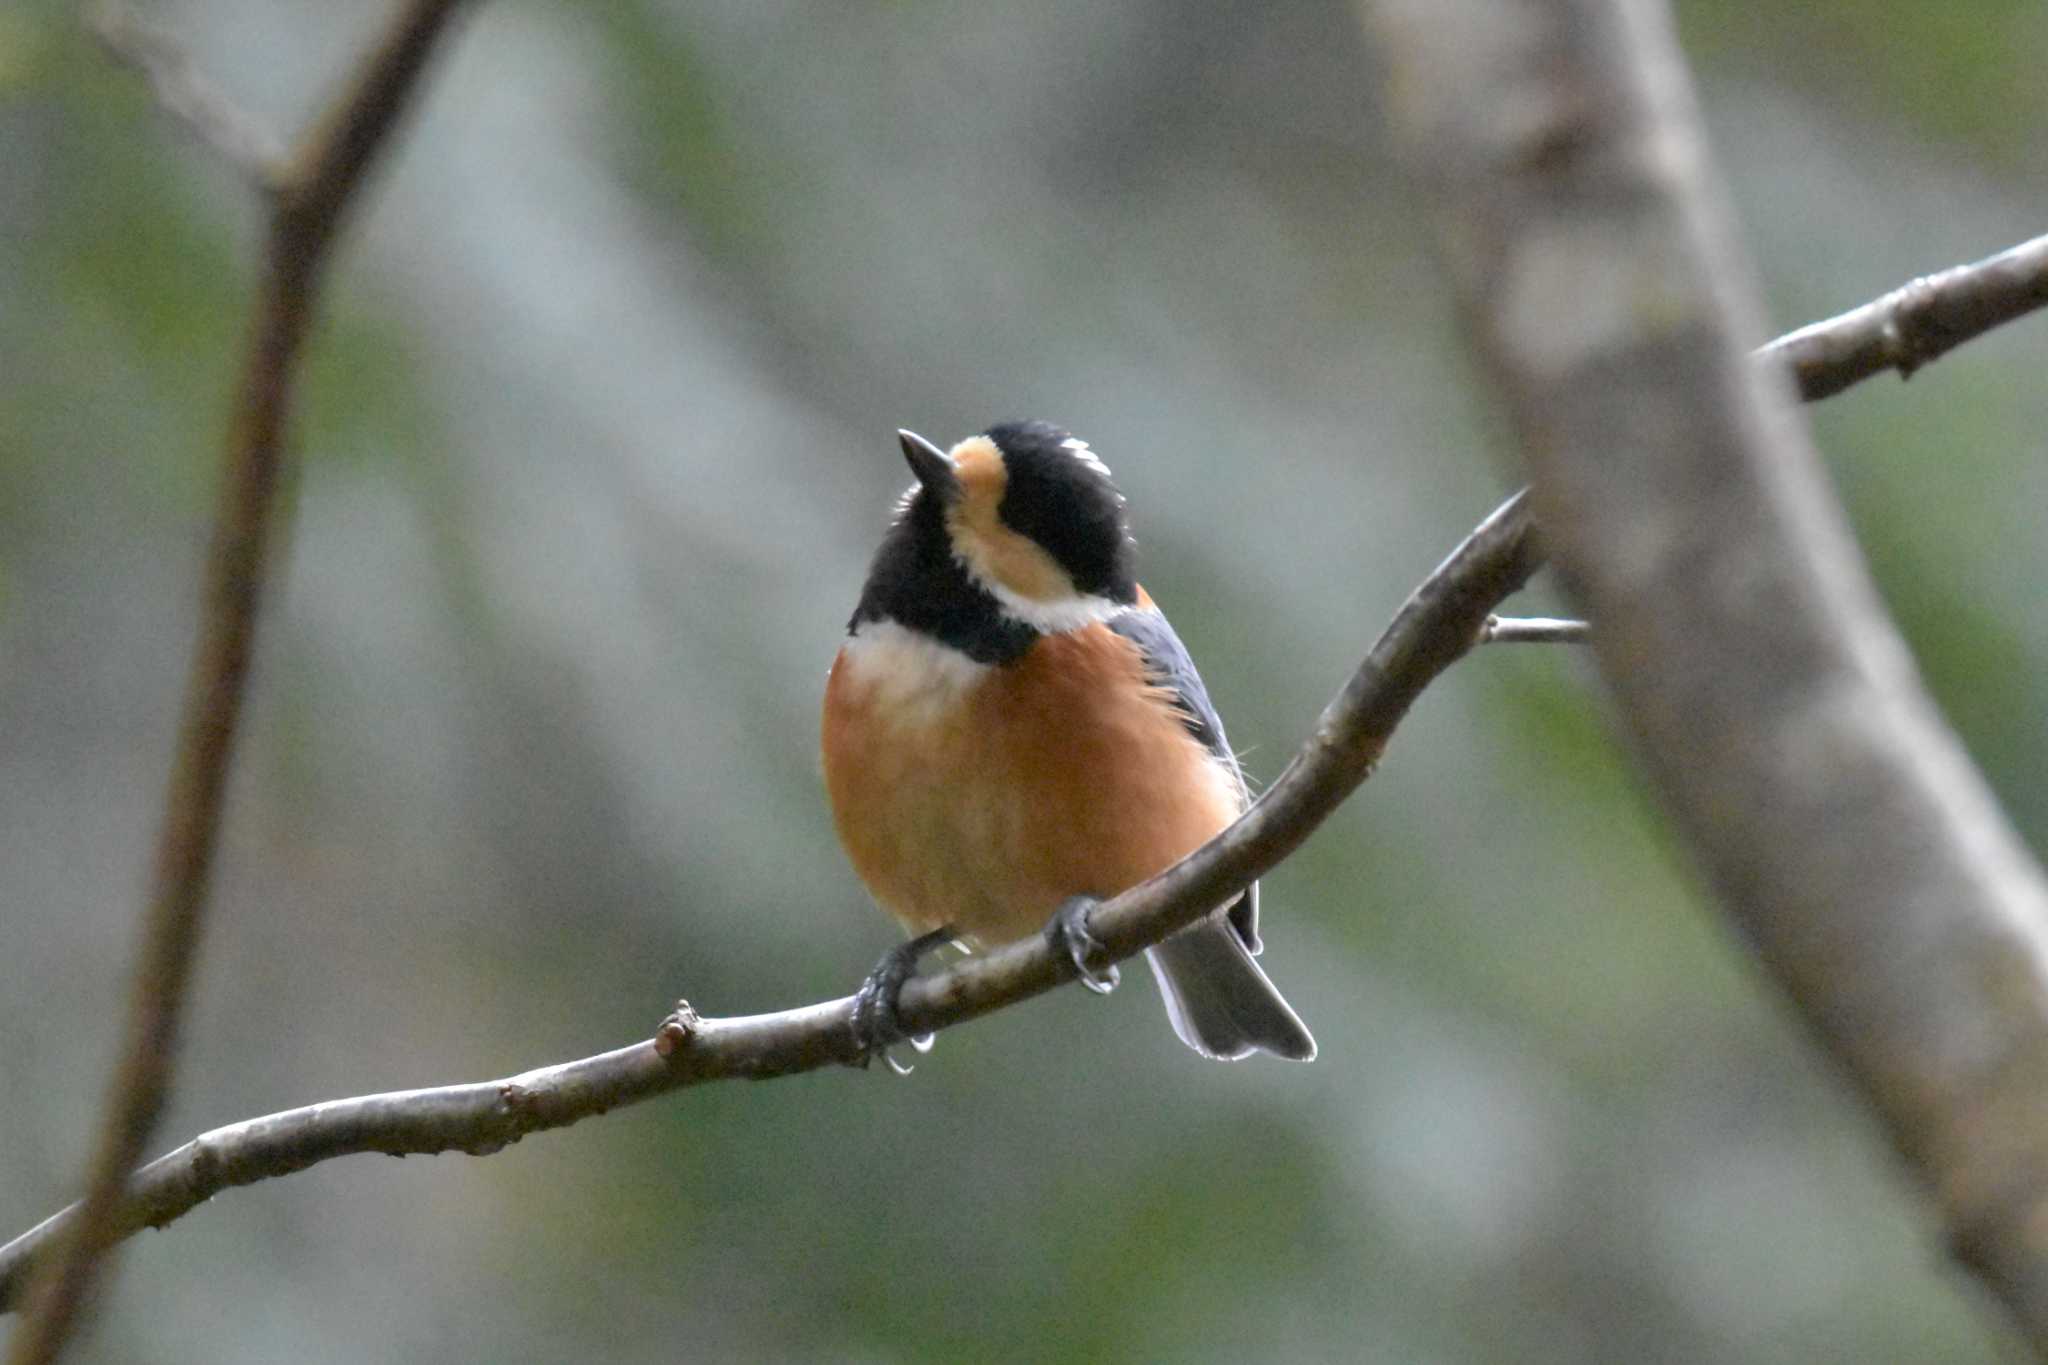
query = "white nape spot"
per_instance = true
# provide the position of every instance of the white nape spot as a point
(1080, 451)
(907, 673)
(1054, 616)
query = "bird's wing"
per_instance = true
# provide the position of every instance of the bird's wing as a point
(1168, 666)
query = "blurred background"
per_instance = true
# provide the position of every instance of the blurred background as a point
(597, 435)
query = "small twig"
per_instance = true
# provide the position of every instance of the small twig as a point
(196, 103)
(1533, 630)
(307, 201)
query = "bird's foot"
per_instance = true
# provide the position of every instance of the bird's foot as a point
(1067, 931)
(875, 1024)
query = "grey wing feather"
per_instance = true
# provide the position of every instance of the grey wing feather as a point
(1168, 666)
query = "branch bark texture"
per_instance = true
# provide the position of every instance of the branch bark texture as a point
(1780, 715)
(309, 195)
(1437, 625)
(1918, 322)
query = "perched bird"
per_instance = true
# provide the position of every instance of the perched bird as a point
(1012, 730)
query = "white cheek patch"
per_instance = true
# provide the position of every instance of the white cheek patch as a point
(1056, 616)
(908, 675)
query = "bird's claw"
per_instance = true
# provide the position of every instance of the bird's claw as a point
(1067, 931)
(875, 1025)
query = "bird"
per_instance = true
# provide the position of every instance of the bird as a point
(1012, 732)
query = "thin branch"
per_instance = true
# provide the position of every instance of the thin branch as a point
(1916, 323)
(308, 197)
(1433, 629)
(195, 102)
(1848, 836)
(1533, 630)
(1438, 624)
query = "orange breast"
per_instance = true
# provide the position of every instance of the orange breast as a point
(982, 798)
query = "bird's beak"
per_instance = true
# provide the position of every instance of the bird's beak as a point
(934, 469)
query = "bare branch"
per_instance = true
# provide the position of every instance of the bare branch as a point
(1917, 322)
(1433, 629)
(1861, 855)
(1533, 630)
(307, 202)
(188, 97)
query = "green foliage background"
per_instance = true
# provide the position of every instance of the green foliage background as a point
(596, 440)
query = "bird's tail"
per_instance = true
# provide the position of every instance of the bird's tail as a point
(1221, 1004)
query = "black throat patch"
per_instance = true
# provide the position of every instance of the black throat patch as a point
(916, 582)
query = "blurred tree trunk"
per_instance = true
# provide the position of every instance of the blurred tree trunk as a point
(1847, 834)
